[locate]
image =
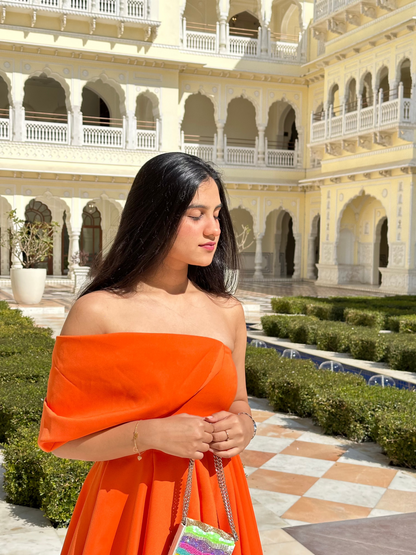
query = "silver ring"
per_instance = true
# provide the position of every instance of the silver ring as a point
(227, 435)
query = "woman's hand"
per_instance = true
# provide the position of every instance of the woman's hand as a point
(182, 435)
(232, 433)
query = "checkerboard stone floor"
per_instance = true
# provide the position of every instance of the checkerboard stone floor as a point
(298, 476)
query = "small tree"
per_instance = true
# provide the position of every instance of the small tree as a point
(242, 238)
(29, 242)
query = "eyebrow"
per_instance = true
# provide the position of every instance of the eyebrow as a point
(203, 206)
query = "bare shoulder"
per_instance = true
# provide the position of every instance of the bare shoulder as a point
(232, 310)
(89, 314)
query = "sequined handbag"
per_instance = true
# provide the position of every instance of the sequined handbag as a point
(196, 538)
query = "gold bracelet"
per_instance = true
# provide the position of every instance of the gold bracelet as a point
(135, 448)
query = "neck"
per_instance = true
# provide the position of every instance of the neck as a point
(166, 278)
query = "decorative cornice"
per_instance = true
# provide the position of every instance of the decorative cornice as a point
(371, 153)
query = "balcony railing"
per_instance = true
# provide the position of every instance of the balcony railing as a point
(242, 42)
(394, 112)
(147, 135)
(131, 8)
(324, 8)
(108, 132)
(241, 152)
(42, 127)
(6, 124)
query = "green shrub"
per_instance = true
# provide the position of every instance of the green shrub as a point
(396, 433)
(297, 328)
(20, 404)
(362, 317)
(333, 336)
(325, 310)
(407, 324)
(289, 305)
(37, 479)
(402, 353)
(260, 364)
(295, 388)
(367, 344)
(351, 411)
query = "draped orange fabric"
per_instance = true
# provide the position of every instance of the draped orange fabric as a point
(131, 507)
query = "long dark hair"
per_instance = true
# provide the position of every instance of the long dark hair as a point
(161, 192)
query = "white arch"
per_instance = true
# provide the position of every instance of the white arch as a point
(243, 94)
(189, 93)
(154, 99)
(112, 83)
(61, 80)
(362, 193)
(8, 82)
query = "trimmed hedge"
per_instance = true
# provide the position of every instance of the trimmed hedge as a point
(373, 312)
(342, 404)
(37, 479)
(362, 342)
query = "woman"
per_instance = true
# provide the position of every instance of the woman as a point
(149, 371)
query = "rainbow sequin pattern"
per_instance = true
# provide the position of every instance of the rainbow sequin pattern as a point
(200, 539)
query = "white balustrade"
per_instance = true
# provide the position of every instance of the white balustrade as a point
(243, 46)
(366, 118)
(206, 152)
(136, 8)
(46, 132)
(280, 158)
(108, 6)
(80, 5)
(198, 40)
(240, 155)
(4, 129)
(322, 9)
(146, 140)
(95, 135)
(391, 113)
(284, 51)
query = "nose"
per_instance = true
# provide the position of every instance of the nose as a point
(213, 228)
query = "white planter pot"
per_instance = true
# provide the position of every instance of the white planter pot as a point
(28, 284)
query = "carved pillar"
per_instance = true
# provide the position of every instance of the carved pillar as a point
(261, 143)
(131, 137)
(77, 138)
(74, 247)
(311, 257)
(265, 41)
(298, 256)
(19, 130)
(220, 142)
(258, 258)
(223, 34)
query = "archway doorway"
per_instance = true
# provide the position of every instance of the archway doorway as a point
(382, 236)
(64, 246)
(91, 232)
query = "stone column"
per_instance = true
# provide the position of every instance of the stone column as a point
(261, 143)
(258, 258)
(74, 247)
(223, 34)
(265, 40)
(19, 129)
(77, 138)
(297, 256)
(311, 257)
(131, 137)
(220, 142)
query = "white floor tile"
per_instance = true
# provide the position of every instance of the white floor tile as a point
(298, 465)
(311, 437)
(403, 481)
(269, 444)
(278, 503)
(346, 492)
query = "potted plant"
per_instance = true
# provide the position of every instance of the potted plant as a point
(79, 266)
(29, 244)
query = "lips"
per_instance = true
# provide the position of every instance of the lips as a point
(210, 244)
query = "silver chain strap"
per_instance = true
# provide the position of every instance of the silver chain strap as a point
(219, 469)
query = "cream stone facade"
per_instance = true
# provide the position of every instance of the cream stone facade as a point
(307, 109)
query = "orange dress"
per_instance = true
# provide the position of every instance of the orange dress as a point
(127, 506)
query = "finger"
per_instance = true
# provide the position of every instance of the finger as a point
(220, 436)
(224, 445)
(227, 454)
(218, 416)
(225, 424)
(208, 438)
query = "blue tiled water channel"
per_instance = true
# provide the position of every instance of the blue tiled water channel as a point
(366, 374)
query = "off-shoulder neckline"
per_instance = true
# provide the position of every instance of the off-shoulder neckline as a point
(147, 333)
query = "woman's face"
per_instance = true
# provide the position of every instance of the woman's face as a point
(199, 229)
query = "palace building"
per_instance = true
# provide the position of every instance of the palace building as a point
(309, 111)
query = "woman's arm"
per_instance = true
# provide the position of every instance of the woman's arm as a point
(239, 428)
